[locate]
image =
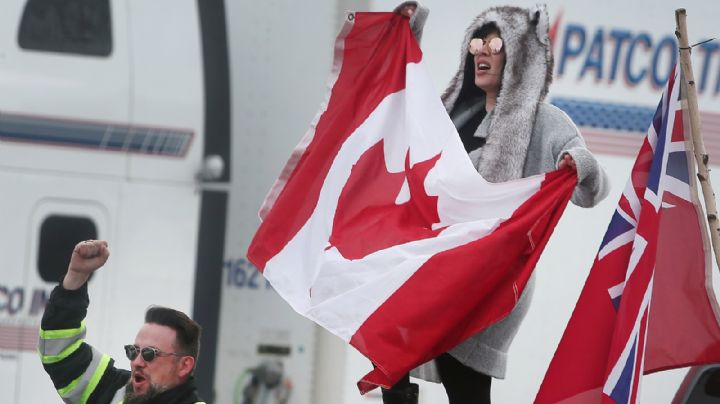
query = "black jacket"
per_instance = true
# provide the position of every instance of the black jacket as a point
(79, 372)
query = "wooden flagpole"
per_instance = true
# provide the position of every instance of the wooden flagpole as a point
(701, 156)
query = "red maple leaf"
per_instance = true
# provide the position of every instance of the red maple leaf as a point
(368, 219)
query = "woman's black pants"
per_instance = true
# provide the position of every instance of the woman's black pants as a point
(463, 385)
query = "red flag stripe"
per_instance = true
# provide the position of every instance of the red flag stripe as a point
(357, 86)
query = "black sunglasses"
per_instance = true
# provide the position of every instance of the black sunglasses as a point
(148, 353)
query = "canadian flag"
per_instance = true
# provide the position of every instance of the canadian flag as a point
(380, 229)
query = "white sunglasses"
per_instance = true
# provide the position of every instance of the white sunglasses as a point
(494, 46)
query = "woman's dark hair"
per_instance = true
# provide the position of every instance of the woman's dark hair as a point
(187, 340)
(486, 30)
(469, 90)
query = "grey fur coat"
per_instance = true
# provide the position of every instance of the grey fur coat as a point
(524, 136)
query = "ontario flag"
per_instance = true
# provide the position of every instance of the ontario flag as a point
(379, 228)
(648, 303)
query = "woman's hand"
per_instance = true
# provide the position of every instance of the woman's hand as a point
(407, 10)
(567, 162)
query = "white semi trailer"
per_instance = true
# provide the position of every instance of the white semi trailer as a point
(118, 117)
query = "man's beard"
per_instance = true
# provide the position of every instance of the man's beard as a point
(146, 398)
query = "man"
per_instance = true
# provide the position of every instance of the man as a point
(162, 359)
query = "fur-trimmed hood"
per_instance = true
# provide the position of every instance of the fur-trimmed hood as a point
(525, 82)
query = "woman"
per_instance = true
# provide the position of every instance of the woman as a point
(496, 101)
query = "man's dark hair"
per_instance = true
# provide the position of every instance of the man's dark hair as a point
(187, 330)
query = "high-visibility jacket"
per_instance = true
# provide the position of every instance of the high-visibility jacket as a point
(81, 374)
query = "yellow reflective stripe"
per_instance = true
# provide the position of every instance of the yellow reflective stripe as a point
(48, 359)
(59, 334)
(199, 402)
(92, 384)
(95, 379)
(70, 387)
